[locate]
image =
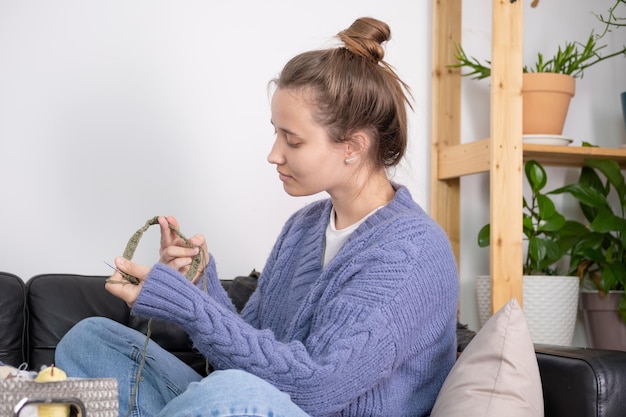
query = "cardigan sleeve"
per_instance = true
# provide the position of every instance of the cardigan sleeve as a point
(210, 284)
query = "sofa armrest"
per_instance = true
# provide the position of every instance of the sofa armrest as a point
(582, 382)
(12, 301)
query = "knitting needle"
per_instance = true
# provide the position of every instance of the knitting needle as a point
(116, 281)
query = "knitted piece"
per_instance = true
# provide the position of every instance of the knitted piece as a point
(133, 242)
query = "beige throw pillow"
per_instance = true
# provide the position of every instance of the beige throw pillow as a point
(497, 373)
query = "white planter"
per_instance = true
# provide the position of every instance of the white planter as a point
(550, 305)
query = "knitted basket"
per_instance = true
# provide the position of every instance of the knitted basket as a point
(88, 397)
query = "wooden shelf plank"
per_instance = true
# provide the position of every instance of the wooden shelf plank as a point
(467, 158)
(471, 158)
(572, 155)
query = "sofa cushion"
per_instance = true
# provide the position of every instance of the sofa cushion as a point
(241, 288)
(58, 301)
(497, 373)
(12, 300)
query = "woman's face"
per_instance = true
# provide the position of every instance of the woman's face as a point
(308, 161)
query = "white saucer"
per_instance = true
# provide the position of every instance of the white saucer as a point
(546, 139)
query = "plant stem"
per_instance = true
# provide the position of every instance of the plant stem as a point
(602, 58)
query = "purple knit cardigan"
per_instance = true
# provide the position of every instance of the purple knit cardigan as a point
(371, 334)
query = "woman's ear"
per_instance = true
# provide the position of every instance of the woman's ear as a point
(357, 146)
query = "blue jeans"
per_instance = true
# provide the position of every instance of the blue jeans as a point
(101, 348)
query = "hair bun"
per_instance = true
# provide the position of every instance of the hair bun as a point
(365, 38)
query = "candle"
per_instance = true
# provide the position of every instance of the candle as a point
(50, 374)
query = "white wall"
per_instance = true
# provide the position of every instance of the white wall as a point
(112, 112)
(594, 115)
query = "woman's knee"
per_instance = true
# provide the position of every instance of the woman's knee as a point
(238, 381)
(84, 336)
(233, 393)
(81, 331)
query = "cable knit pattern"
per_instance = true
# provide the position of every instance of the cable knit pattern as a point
(372, 334)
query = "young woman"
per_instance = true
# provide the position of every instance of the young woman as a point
(355, 311)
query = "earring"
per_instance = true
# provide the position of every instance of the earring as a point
(351, 160)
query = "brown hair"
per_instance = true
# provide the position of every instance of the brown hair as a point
(355, 89)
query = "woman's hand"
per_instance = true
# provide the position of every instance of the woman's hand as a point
(120, 287)
(176, 253)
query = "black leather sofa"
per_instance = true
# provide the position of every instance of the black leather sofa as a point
(35, 315)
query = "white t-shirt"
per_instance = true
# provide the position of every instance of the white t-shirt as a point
(336, 238)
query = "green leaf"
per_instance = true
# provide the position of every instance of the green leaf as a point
(541, 249)
(552, 224)
(589, 241)
(553, 252)
(611, 170)
(606, 222)
(584, 194)
(542, 253)
(546, 207)
(612, 276)
(537, 249)
(594, 255)
(536, 175)
(589, 177)
(573, 228)
(527, 225)
(570, 234)
(484, 236)
(587, 248)
(478, 70)
(619, 270)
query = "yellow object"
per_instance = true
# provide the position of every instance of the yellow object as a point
(51, 374)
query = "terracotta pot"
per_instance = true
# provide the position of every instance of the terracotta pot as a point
(605, 328)
(546, 97)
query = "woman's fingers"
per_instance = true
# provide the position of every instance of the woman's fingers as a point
(171, 254)
(168, 236)
(176, 252)
(200, 242)
(120, 283)
(182, 265)
(128, 267)
(181, 258)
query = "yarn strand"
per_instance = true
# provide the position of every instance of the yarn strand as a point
(197, 261)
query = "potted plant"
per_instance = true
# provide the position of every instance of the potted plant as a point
(550, 299)
(554, 75)
(599, 255)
